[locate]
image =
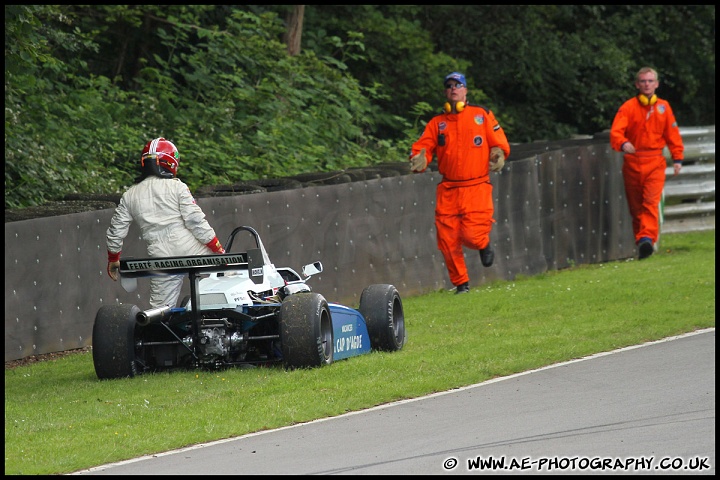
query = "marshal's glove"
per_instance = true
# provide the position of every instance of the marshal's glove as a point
(497, 159)
(418, 162)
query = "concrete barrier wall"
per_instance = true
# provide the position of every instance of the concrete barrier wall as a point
(557, 205)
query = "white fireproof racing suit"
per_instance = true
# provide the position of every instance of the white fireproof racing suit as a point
(171, 223)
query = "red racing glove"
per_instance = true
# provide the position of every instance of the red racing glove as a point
(215, 246)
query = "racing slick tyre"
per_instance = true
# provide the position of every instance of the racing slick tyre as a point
(239, 188)
(383, 311)
(57, 208)
(94, 197)
(306, 331)
(403, 168)
(113, 341)
(278, 184)
(322, 178)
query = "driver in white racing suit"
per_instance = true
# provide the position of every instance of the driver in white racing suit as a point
(172, 224)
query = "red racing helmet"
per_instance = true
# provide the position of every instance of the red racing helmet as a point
(160, 157)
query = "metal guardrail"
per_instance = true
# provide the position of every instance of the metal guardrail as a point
(689, 198)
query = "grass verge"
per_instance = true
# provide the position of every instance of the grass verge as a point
(59, 418)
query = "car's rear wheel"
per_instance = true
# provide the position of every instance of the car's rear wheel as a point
(382, 309)
(306, 332)
(113, 341)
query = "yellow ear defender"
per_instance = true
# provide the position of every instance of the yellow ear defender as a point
(459, 106)
(645, 101)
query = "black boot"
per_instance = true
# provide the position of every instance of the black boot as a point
(646, 248)
(487, 256)
(462, 288)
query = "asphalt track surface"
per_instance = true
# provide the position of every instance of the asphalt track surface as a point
(648, 409)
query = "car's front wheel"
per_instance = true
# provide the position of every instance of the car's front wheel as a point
(382, 309)
(306, 331)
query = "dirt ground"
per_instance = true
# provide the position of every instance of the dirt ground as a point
(44, 357)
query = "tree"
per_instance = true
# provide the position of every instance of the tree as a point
(229, 95)
(293, 31)
(253, 91)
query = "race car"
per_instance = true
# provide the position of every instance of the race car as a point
(241, 311)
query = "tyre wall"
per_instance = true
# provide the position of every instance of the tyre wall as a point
(556, 205)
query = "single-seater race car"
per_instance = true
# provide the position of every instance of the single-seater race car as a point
(241, 310)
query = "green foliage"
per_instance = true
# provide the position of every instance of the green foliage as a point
(398, 57)
(551, 71)
(235, 103)
(59, 418)
(86, 86)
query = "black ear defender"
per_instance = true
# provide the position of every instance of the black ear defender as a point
(459, 107)
(647, 101)
(149, 156)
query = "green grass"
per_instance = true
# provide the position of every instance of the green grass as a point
(60, 418)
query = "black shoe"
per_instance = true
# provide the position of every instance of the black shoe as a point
(462, 288)
(646, 249)
(487, 256)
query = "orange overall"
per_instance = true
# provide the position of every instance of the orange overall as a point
(464, 205)
(649, 128)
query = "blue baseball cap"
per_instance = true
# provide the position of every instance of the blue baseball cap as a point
(459, 77)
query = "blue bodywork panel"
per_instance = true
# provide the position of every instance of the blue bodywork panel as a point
(349, 331)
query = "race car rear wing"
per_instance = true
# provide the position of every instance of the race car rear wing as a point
(193, 265)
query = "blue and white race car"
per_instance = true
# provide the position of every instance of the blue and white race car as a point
(241, 310)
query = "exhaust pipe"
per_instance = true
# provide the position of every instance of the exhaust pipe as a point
(153, 315)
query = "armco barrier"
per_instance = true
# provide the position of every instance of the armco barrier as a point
(690, 197)
(557, 204)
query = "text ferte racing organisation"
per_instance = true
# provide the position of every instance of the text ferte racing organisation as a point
(187, 262)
